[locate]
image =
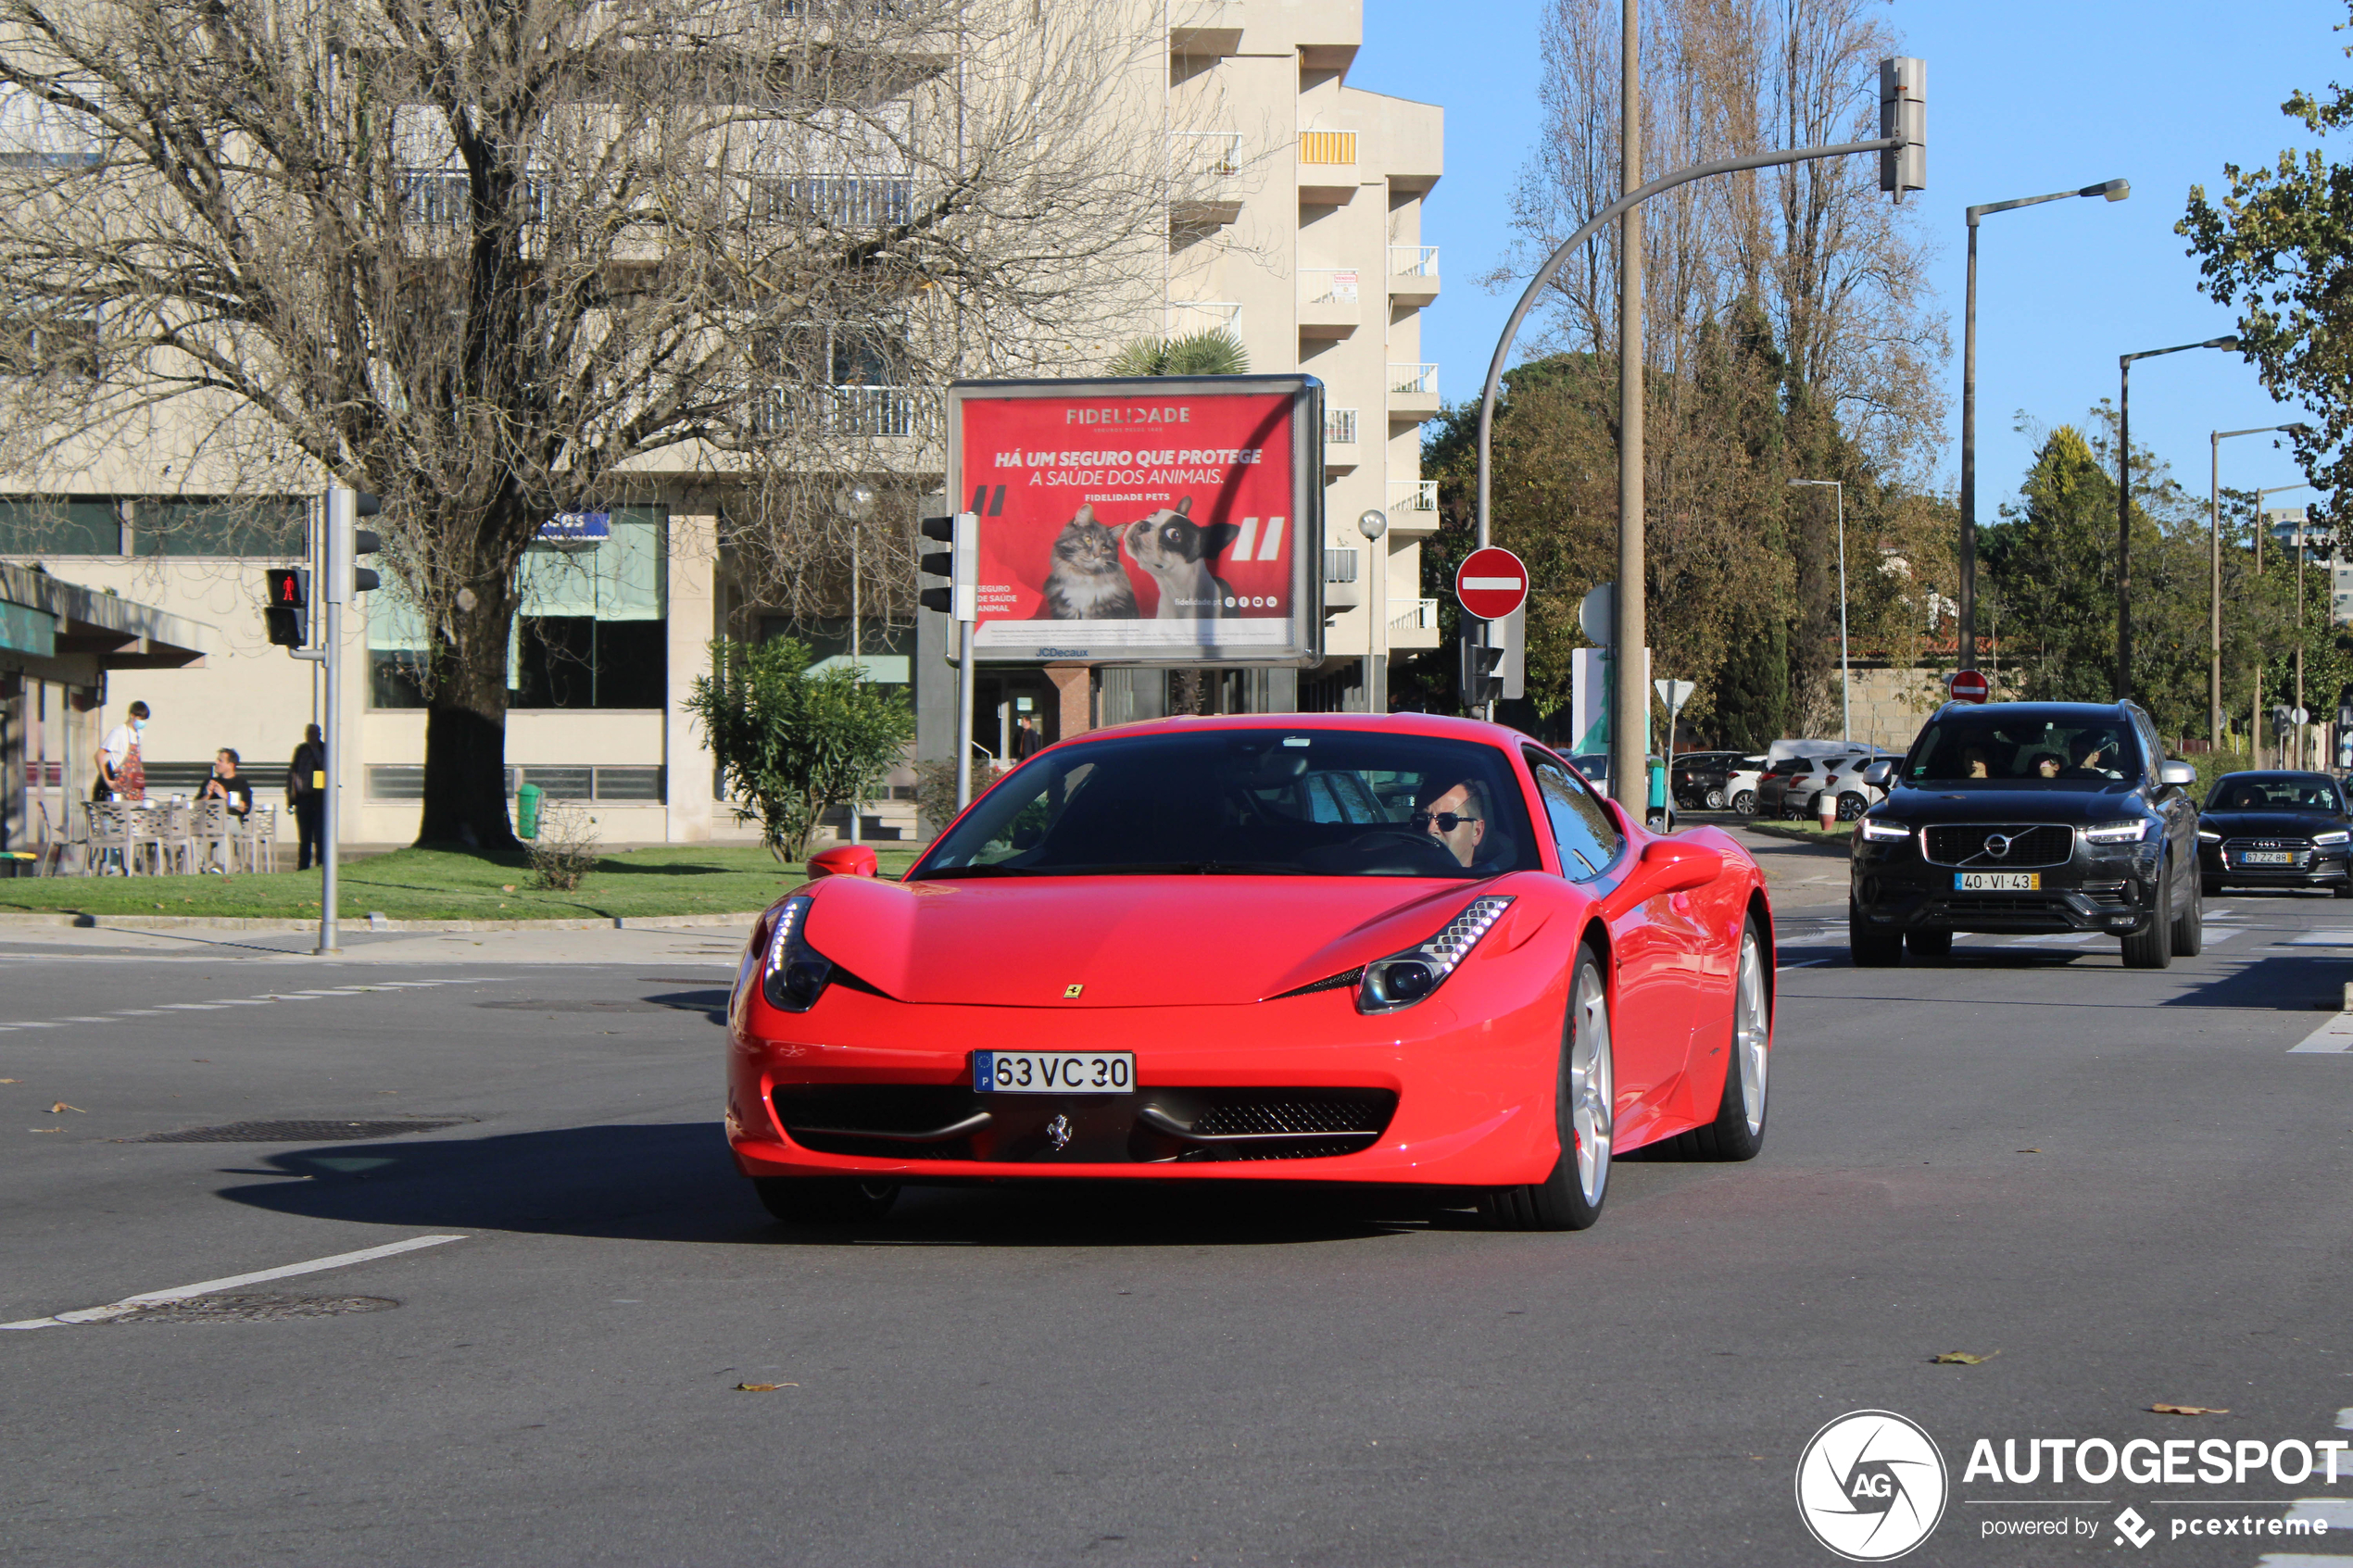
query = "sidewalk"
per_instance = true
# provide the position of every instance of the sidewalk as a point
(713, 945)
(1796, 874)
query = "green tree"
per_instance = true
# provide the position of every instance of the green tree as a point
(1213, 352)
(791, 744)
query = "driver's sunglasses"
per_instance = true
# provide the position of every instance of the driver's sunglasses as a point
(1447, 820)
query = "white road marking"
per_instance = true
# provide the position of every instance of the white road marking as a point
(182, 1292)
(2333, 938)
(2071, 939)
(2332, 1038)
(196, 1006)
(2214, 937)
(2300, 1560)
(265, 1000)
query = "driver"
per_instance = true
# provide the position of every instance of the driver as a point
(1456, 815)
(2088, 756)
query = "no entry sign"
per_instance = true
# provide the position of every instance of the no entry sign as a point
(1968, 685)
(1491, 583)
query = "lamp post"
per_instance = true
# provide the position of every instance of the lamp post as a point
(2255, 714)
(2124, 501)
(1372, 525)
(2214, 547)
(2113, 189)
(855, 501)
(1846, 679)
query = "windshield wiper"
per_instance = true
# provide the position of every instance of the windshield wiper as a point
(983, 869)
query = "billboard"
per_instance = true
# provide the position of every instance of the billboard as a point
(1166, 520)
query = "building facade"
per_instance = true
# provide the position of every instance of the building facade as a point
(1298, 229)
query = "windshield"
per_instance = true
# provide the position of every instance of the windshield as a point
(2011, 749)
(1247, 802)
(2307, 793)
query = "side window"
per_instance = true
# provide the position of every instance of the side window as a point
(1589, 840)
(2152, 749)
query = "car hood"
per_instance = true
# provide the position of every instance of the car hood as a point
(1124, 941)
(2271, 824)
(2057, 801)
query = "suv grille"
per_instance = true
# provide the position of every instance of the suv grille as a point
(1955, 844)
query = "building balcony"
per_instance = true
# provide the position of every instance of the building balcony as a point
(1340, 441)
(1413, 274)
(1341, 591)
(1329, 307)
(1414, 627)
(1204, 172)
(838, 411)
(1205, 28)
(1412, 392)
(1327, 174)
(1413, 506)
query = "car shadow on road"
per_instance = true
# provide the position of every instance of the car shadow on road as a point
(675, 1181)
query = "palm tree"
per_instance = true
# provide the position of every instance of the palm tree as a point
(1213, 352)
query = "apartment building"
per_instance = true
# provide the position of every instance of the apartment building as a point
(1297, 226)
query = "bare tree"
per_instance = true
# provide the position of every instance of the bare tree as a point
(499, 262)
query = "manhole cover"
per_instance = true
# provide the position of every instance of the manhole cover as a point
(512, 1005)
(304, 1131)
(260, 1308)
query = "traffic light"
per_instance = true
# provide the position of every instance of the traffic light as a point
(1903, 113)
(959, 565)
(286, 594)
(1482, 672)
(347, 541)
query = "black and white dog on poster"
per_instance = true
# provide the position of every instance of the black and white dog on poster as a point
(1179, 554)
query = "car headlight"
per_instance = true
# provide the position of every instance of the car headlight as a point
(2120, 833)
(2208, 836)
(1397, 982)
(1879, 832)
(796, 973)
(2336, 835)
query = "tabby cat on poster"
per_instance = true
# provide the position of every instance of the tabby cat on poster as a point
(1088, 581)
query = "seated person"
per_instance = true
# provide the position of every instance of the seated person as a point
(1973, 763)
(227, 783)
(2089, 755)
(2047, 766)
(1456, 815)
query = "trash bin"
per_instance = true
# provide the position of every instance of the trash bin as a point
(527, 811)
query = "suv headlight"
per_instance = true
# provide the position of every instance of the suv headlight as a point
(1879, 832)
(796, 974)
(1397, 982)
(2120, 833)
(2335, 836)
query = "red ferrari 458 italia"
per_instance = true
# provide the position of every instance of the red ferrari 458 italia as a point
(1404, 949)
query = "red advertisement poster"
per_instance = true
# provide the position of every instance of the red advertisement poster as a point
(1123, 526)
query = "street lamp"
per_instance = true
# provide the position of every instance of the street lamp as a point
(2113, 189)
(2124, 501)
(855, 501)
(1372, 525)
(2255, 714)
(2214, 547)
(1846, 679)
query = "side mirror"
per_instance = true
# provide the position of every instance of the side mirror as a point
(2179, 773)
(1877, 773)
(845, 859)
(1668, 866)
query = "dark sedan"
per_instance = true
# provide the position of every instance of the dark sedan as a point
(2275, 830)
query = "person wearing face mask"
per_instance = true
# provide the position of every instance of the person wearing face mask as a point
(121, 775)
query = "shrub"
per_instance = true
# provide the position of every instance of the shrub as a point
(565, 851)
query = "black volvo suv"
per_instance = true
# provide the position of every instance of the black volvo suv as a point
(2029, 817)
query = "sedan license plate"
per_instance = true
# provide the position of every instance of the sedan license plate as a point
(1053, 1072)
(2266, 857)
(1998, 882)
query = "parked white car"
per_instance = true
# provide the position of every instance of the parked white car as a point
(1740, 786)
(1799, 794)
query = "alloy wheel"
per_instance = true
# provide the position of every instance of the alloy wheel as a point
(1591, 1087)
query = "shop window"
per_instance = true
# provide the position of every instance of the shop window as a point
(59, 528)
(887, 651)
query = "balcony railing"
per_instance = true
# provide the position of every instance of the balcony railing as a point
(1418, 379)
(846, 201)
(1328, 285)
(837, 411)
(1340, 565)
(1327, 147)
(1421, 617)
(1186, 315)
(441, 199)
(1413, 261)
(1413, 495)
(1339, 427)
(1205, 155)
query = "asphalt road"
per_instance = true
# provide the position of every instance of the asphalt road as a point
(2121, 1188)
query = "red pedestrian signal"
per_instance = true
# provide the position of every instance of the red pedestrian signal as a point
(288, 587)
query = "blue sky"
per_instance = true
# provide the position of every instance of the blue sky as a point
(2022, 99)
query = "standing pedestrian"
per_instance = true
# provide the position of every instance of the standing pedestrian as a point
(121, 775)
(305, 792)
(1027, 742)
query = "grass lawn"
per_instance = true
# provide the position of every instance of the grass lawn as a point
(445, 884)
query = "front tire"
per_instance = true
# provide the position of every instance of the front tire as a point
(2189, 927)
(1715, 799)
(2343, 890)
(1585, 1113)
(1851, 806)
(1872, 947)
(1738, 1131)
(825, 1201)
(2152, 947)
(1930, 943)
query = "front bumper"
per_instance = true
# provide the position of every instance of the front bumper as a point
(1457, 1091)
(2109, 890)
(2326, 868)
